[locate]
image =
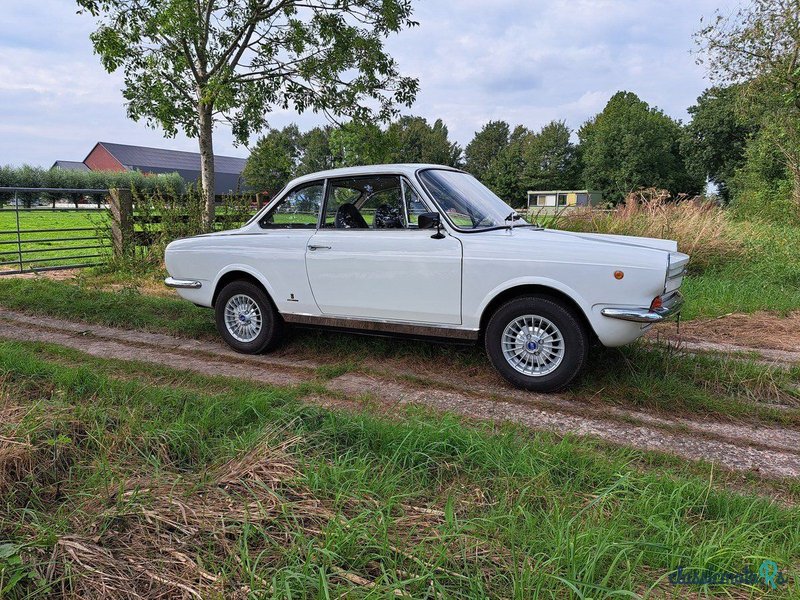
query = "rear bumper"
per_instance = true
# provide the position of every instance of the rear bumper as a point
(189, 284)
(670, 307)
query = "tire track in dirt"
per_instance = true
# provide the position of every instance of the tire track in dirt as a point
(767, 450)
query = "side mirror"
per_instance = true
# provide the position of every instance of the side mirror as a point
(429, 220)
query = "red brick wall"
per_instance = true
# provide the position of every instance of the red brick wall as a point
(100, 159)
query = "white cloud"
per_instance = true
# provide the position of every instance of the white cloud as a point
(524, 61)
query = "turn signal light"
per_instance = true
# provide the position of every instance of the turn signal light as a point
(618, 274)
(656, 303)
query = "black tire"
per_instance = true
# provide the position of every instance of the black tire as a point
(574, 351)
(271, 332)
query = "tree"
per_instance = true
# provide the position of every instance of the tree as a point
(358, 143)
(189, 63)
(629, 146)
(274, 159)
(316, 151)
(758, 47)
(718, 135)
(551, 160)
(505, 174)
(412, 139)
(485, 147)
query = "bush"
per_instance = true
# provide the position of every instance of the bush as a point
(763, 189)
(702, 229)
(166, 215)
(37, 177)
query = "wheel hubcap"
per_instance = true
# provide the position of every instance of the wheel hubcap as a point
(533, 345)
(243, 318)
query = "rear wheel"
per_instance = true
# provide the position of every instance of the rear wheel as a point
(536, 343)
(246, 318)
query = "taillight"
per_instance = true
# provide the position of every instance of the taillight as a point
(656, 303)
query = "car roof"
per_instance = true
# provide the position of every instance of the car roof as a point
(407, 169)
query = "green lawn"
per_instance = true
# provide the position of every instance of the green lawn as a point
(166, 478)
(227, 488)
(766, 278)
(94, 232)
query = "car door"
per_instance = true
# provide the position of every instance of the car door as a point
(278, 250)
(368, 260)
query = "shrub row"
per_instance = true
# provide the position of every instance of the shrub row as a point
(38, 177)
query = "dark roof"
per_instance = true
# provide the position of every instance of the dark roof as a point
(227, 169)
(174, 160)
(69, 165)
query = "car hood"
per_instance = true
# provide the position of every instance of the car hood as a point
(624, 240)
(601, 248)
(524, 235)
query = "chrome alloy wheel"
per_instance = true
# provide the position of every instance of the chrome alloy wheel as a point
(243, 318)
(533, 345)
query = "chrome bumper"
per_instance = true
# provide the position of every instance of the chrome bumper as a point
(671, 306)
(182, 283)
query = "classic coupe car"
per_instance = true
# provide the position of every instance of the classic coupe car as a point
(427, 250)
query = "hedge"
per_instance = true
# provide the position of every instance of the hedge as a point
(38, 177)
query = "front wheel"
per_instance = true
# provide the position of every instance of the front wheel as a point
(246, 318)
(536, 343)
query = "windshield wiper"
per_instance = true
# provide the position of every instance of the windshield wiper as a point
(515, 216)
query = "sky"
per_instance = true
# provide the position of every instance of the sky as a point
(523, 61)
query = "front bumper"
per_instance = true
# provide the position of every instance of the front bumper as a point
(182, 283)
(671, 306)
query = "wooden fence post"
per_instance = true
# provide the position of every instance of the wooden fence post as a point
(121, 221)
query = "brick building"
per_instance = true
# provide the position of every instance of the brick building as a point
(106, 156)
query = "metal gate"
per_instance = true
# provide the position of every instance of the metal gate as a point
(36, 238)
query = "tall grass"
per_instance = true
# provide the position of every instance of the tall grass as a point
(701, 228)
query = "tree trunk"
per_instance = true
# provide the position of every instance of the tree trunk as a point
(206, 121)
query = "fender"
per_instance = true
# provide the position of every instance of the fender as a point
(577, 298)
(244, 269)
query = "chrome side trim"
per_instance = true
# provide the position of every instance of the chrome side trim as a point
(378, 326)
(671, 306)
(182, 283)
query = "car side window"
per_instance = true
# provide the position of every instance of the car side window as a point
(370, 202)
(414, 205)
(299, 209)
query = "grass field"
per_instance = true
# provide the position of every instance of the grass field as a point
(93, 234)
(736, 266)
(765, 277)
(122, 470)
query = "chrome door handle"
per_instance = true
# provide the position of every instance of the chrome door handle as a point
(312, 247)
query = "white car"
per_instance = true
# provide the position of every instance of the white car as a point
(427, 250)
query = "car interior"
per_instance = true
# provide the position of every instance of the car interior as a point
(357, 201)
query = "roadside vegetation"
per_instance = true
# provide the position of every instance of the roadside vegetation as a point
(213, 487)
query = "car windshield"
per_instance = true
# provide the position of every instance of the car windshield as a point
(466, 201)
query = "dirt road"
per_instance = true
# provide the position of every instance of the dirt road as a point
(770, 451)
